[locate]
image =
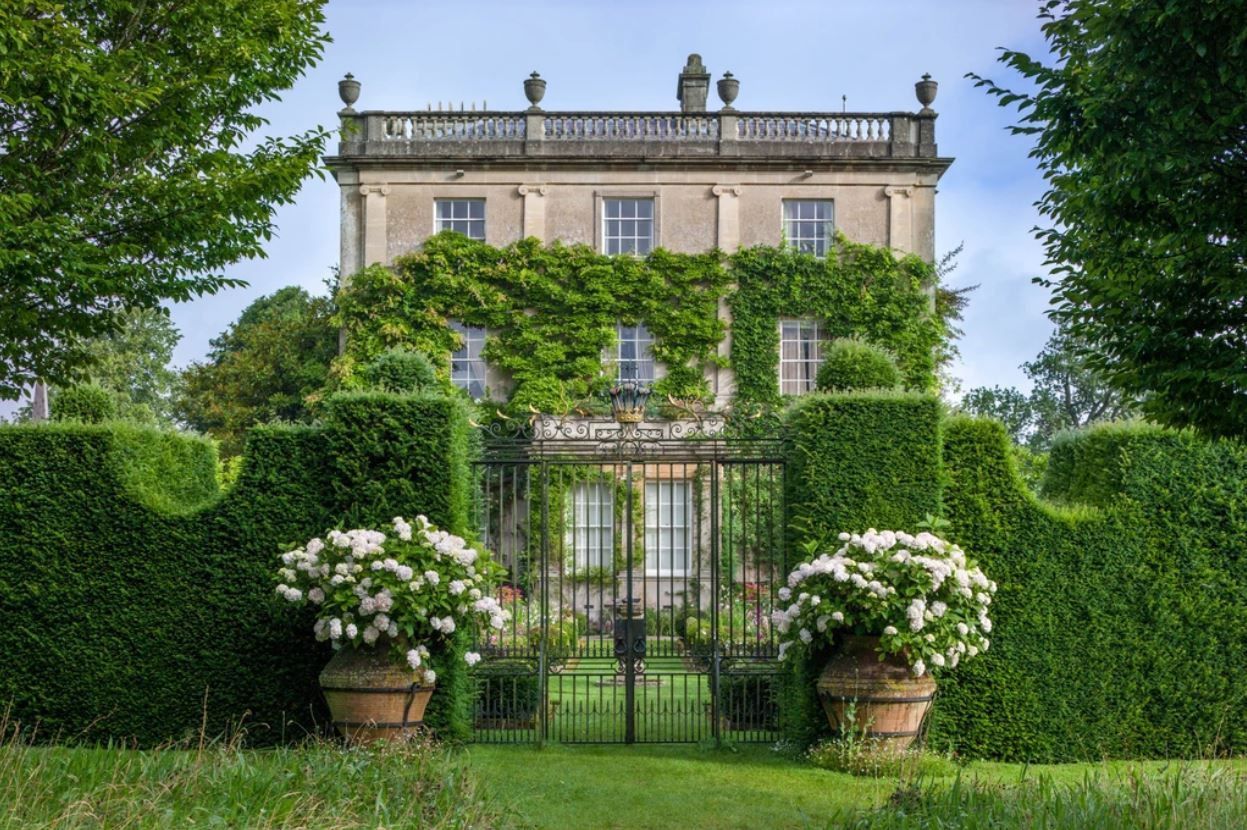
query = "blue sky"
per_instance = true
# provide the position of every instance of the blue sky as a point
(600, 55)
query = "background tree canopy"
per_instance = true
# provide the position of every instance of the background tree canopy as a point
(1140, 124)
(262, 368)
(1067, 394)
(123, 179)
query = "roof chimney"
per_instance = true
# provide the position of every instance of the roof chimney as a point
(694, 85)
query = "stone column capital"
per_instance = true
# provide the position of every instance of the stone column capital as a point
(537, 189)
(379, 189)
(724, 189)
(898, 190)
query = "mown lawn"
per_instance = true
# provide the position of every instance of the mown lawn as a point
(753, 787)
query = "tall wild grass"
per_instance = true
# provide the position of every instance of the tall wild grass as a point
(317, 784)
(1182, 798)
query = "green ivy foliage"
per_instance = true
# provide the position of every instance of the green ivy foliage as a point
(550, 311)
(139, 600)
(856, 291)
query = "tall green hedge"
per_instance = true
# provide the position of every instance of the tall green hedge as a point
(1121, 625)
(862, 459)
(393, 455)
(1121, 619)
(854, 460)
(138, 602)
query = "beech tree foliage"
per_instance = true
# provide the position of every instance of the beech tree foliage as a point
(131, 172)
(1140, 127)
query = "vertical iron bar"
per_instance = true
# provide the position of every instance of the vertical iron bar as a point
(629, 668)
(543, 682)
(714, 606)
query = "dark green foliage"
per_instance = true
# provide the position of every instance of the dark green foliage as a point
(1119, 629)
(550, 312)
(400, 370)
(139, 602)
(851, 365)
(86, 404)
(856, 460)
(132, 622)
(1146, 238)
(134, 168)
(397, 455)
(859, 290)
(267, 366)
(862, 459)
(1118, 626)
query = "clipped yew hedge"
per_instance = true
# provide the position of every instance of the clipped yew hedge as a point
(138, 601)
(1121, 621)
(854, 460)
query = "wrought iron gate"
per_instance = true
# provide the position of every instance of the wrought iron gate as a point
(642, 572)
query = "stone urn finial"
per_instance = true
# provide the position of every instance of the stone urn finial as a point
(534, 90)
(348, 91)
(729, 88)
(925, 90)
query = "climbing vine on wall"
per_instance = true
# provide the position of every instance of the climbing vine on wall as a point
(858, 290)
(550, 312)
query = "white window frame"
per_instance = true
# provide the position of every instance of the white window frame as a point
(809, 354)
(673, 559)
(467, 365)
(810, 235)
(619, 239)
(590, 544)
(473, 227)
(642, 342)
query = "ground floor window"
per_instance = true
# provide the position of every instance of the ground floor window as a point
(668, 507)
(591, 532)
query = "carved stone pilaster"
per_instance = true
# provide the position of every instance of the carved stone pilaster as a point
(375, 230)
(729, 216)
(900, 217)
(534, 209)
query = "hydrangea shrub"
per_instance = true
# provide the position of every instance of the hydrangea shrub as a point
(922, 596)
(406, 591)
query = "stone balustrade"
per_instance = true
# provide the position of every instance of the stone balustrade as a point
(649, 135)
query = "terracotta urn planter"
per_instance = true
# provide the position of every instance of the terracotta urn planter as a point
(371, 697)
(889, 703)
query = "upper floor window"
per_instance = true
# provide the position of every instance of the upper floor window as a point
(808, 225)
(628, 226)
(465, 216)
(634, 353)
(800, 355)
(467, 366)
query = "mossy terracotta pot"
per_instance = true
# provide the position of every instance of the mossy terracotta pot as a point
(371, 697)
(886, 702)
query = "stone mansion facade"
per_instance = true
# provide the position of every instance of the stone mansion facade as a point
(628, 182)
